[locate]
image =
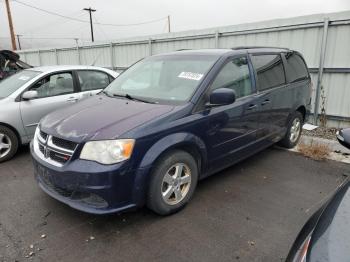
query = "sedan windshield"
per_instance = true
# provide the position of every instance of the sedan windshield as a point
(12, 83)
(162, 79)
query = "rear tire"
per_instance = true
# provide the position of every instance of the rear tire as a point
(173, 182)
(8, 143)
(293, 134)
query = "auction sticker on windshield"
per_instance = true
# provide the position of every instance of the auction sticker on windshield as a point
(191, 76)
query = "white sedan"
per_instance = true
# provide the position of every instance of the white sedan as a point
(31, 94)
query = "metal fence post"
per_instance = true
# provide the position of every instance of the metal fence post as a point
(112, 55)
(320, 68)
(150, 46)
(78, 55)
(56, 56)
(39, 57)
(217, 39)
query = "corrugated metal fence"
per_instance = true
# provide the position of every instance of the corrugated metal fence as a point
(322, 39)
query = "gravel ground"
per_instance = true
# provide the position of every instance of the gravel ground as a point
(323, 132)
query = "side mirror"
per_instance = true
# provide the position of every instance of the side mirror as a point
(28, 95)
(222, 96)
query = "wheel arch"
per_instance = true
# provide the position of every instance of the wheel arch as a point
(14, 130)
(187, 142)
(302, 110)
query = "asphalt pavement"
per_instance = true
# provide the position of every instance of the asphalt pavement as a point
(249, 212)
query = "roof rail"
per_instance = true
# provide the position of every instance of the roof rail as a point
(183, 49)
(257, 47)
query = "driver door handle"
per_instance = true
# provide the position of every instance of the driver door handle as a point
(252, 106)
(266, 101)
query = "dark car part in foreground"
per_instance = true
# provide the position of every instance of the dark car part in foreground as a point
(326, 235)
(168, 121)
(343, 137)
(10, 63)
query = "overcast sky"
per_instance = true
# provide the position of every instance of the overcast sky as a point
(185, 15)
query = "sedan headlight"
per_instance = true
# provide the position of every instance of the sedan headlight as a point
(108, 151)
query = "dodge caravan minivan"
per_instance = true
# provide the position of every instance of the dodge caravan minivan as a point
(167, 122)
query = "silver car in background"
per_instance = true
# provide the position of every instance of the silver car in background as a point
(31, 94)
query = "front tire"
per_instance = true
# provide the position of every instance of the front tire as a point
(293, 134)
(173, 182)
(8, 143)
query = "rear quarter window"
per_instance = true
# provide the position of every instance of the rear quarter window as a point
(296, 67)
(270, 71)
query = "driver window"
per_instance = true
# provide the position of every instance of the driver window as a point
(54, 85)
(235, 75)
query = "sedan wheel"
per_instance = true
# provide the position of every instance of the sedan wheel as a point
(5, 145)
(8, 143)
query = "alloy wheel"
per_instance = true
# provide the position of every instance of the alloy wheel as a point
(5, 145)
(176, 183)
(295, 130)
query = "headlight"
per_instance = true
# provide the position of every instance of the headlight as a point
(108, 151)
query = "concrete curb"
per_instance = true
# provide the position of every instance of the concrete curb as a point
(338, 152)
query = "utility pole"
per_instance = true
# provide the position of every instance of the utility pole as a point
(90, 10)
(13, 40)
(19, 42)
(168, 23)
(76, 41)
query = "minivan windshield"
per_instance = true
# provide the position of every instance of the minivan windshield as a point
(12, 83)
(162, 79)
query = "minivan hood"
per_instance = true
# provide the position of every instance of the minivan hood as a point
(100, 117)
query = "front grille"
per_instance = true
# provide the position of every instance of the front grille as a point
(58, 157)
(41, 148)
(43, 135)
(55, 150)
(64, 143)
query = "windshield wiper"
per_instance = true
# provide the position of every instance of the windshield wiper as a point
(127, 96)
(104, 92)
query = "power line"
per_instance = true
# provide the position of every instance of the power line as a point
(50, 12)
(135, 24)
(103, 31)
(48, 26)
(84, 21)
(50, 38)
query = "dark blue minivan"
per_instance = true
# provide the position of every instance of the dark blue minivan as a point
(168, 121)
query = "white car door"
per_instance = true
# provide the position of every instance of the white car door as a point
(55, 91)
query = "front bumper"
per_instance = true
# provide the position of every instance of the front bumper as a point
(91, 187)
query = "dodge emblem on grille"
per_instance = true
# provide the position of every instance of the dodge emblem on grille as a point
(46, 152)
